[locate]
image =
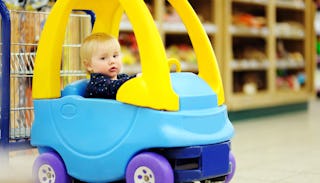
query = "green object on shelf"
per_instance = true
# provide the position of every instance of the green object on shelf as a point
(318, 47)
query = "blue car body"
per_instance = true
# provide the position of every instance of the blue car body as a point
(96, 138)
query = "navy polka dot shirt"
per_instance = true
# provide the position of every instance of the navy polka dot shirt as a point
(101, 86)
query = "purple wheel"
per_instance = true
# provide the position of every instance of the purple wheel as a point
(149, 167)
(49, 168)
(232, 161)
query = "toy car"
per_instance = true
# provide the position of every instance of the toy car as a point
(164, 127)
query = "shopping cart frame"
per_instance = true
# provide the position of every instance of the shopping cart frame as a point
(6, 143)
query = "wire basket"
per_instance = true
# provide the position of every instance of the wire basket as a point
(26, 27)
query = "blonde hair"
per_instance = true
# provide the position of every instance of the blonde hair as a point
(91, 43)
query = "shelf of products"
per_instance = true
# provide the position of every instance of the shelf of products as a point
(172, 31)
(268, 53)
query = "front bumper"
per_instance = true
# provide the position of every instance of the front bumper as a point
(199, 162)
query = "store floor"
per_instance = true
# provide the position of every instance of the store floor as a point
(283, 148)
(279, 149)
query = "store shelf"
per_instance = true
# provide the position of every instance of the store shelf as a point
(248, 31)
(299, 36)
(296, 5)
(242, 65)
(179, 28)
(267, 54)
(256, 2)
(290, 64)
(136, 68)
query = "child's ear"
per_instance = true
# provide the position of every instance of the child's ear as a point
(87, 65)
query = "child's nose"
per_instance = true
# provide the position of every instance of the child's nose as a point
(111, 60)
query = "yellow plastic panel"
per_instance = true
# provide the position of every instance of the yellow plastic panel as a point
(46, 79)
(108, 14)
(153, 89)
(207, 62)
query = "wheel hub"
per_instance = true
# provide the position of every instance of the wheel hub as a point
(144, 175)
(46, 174)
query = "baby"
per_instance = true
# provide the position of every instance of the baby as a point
(101, 55)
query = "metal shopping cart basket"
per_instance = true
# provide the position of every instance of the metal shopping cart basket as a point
(20, 33)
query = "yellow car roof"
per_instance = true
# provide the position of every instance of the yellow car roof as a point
(153, 89)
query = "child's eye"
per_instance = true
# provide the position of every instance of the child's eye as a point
(115, 56)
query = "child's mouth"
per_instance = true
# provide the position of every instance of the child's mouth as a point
(112, 69)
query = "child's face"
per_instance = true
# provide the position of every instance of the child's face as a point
(106, 59)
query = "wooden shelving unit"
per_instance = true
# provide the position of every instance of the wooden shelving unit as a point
(264, 47)
(267, 53)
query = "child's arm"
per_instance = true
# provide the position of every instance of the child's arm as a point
(120, 76)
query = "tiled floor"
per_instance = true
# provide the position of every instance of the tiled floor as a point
(284, 148)
(279, 149)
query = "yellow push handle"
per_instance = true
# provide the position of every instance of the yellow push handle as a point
(173, 61)
(153, 89)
